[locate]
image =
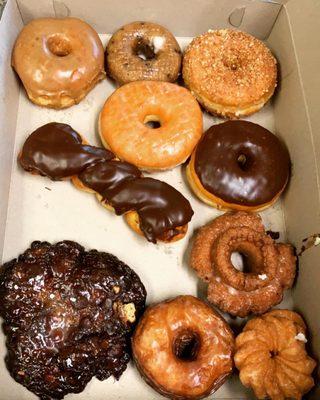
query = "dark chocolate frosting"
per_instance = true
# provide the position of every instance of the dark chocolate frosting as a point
(242, 163)
(56, 150)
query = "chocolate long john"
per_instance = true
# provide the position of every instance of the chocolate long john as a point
(57, 151)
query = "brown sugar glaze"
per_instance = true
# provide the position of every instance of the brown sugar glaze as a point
(57, 151)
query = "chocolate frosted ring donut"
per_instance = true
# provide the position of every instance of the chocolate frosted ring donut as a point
(143, 51)
(239, 165)
(183, 348)
(271, 265)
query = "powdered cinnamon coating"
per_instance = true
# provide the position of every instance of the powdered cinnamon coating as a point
(272, 266)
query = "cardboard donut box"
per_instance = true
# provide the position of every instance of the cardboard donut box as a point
(34, 208)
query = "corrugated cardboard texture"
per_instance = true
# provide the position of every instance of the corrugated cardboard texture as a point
(190, 18)
(9, 100)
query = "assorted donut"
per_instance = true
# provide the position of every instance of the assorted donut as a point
(151, 207)
(69, 315)
(239, 165)
(271, 266)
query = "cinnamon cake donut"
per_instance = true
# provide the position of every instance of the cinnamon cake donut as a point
(231, 73)
(239, 165)
(272, 266)
(183, 348)
(58, 60)
(151, 207)
(272, 358)
(142, 51)
(126, 117)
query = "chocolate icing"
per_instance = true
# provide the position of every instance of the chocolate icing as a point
(242, 163)
(55, 150)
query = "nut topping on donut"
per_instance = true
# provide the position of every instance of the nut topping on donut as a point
(231, 73)
(64, 322)
(57, 151)
(272, 266)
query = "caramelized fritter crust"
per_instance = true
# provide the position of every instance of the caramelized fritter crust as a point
(68, 315)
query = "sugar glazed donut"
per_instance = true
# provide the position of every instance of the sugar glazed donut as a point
(126, 117)
(143, 51)
(272, 358)
(151, 207)
(231, 73)
(239, 165)
(272, 266)
(183, 348)
(58, 61)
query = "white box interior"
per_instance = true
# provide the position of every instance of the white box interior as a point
(36, 208)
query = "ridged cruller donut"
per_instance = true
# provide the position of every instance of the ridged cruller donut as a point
(272, 358)
(272, 265)
(151, 207)
(231, 73)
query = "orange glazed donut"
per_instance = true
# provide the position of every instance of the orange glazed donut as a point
(127, 112)
(231, 73)
(183, 348)
(58, 61)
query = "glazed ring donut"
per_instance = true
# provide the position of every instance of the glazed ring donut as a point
(126, 113)
(239, 165)
(143, 51)
(272, 266)
(183, 348)
(231, 73)
(151, 207)
(58, 61)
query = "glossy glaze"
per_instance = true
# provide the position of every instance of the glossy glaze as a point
(58, 57)
(56, 150)
(256, 181)
(61, 308)
(157, 351)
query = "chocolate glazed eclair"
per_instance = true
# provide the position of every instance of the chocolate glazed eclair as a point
(151, 207)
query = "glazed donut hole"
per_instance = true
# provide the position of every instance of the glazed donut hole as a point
(186, 345)
(59, 45)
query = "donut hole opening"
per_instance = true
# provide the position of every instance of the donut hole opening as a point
(244, 162)
(152, 121)
(241, 262)
(186, 345)
(59, 46)
(144, 50)
(273, 353)
(232, 62)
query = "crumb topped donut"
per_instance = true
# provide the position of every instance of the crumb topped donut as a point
(58, 61)
(270, 267)
(143, 51)
(239, 165)
(153, 125)
(231, 73)
(183, 348)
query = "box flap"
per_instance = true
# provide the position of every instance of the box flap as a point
(183, 18)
